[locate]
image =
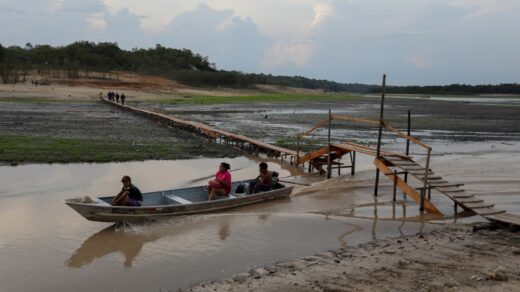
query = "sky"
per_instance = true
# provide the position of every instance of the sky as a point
(414, 42)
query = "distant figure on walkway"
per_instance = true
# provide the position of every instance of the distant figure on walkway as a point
(123, 99)
(264, 181)
(221, 185)
(129, 195)
(117, 97)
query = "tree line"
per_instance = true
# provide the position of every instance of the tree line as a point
(186, 67)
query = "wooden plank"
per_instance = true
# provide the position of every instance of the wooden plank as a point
(404, 163)
(450, 189)
(395, 158)
(435, 178)
(428, 206)
(445, 185)
(506, 218)
(319, 125)
(469, 200)
(313, 155)
(478, 205)
(402, 135)
(352, 119)
(458, 197)
(489, 211)
(408, 167)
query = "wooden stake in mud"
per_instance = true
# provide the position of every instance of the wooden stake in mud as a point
(353, 163)
(425, 178)
(329, 162)
(395, 185)
(408, 144)
(298, 150)
(378, 153)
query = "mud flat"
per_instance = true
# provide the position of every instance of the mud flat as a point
(53, 131)
(450, 259)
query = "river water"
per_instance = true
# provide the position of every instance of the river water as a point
(46, 246)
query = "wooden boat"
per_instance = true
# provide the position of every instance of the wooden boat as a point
(174, 202)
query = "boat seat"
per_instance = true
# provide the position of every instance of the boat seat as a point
(179, 199)
(101, 202)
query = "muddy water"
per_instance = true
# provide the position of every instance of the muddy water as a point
(46, 246)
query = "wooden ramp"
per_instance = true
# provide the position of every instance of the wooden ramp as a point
(454, 191)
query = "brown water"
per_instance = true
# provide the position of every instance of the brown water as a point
(46, 246)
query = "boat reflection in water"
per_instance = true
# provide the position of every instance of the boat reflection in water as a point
(112, 239)
(129, 240)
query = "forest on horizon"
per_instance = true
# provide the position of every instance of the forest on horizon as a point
(189, 68)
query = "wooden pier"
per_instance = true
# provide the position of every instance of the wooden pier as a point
(395, 166)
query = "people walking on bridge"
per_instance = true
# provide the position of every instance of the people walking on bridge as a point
(123, 99)
(117, 97)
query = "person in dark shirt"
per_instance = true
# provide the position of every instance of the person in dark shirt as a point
(123, 99)
(264, 181)
(129, 195)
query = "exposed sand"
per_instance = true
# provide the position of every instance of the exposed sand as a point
(451, 259)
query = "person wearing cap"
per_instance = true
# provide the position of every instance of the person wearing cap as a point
(129, 195)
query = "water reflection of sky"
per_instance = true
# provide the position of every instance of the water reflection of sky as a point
(46, 241)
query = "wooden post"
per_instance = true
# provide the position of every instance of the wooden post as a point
(298, 150)
(353, 163)
(421, 205)
(455, 209)
(329, 162)
(380, 131)
(408, 144)
(425, 178)
(395, 185)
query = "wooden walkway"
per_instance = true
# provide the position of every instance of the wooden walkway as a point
(469, 202)
(391, 164)
(315, 159)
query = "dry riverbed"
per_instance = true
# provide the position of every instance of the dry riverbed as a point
(449, 259)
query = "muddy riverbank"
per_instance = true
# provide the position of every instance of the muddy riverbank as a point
(449, 259)
(89, 131)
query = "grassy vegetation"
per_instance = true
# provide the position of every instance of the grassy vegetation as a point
(269, 97)
(31, 99)
(34, 149)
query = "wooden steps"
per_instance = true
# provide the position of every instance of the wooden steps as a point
(451, 190)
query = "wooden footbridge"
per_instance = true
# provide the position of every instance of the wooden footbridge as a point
(397, 167)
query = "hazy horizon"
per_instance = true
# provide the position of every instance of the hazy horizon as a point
(414, 42)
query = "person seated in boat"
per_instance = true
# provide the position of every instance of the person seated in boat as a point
(221, 185)
(264, 181)
(129, 195)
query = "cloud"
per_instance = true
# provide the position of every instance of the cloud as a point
(234, 43)
(418, 61)
(415, 42)
(321, 11)
(288, 52)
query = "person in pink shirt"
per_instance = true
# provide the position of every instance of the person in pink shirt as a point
(221, 185)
